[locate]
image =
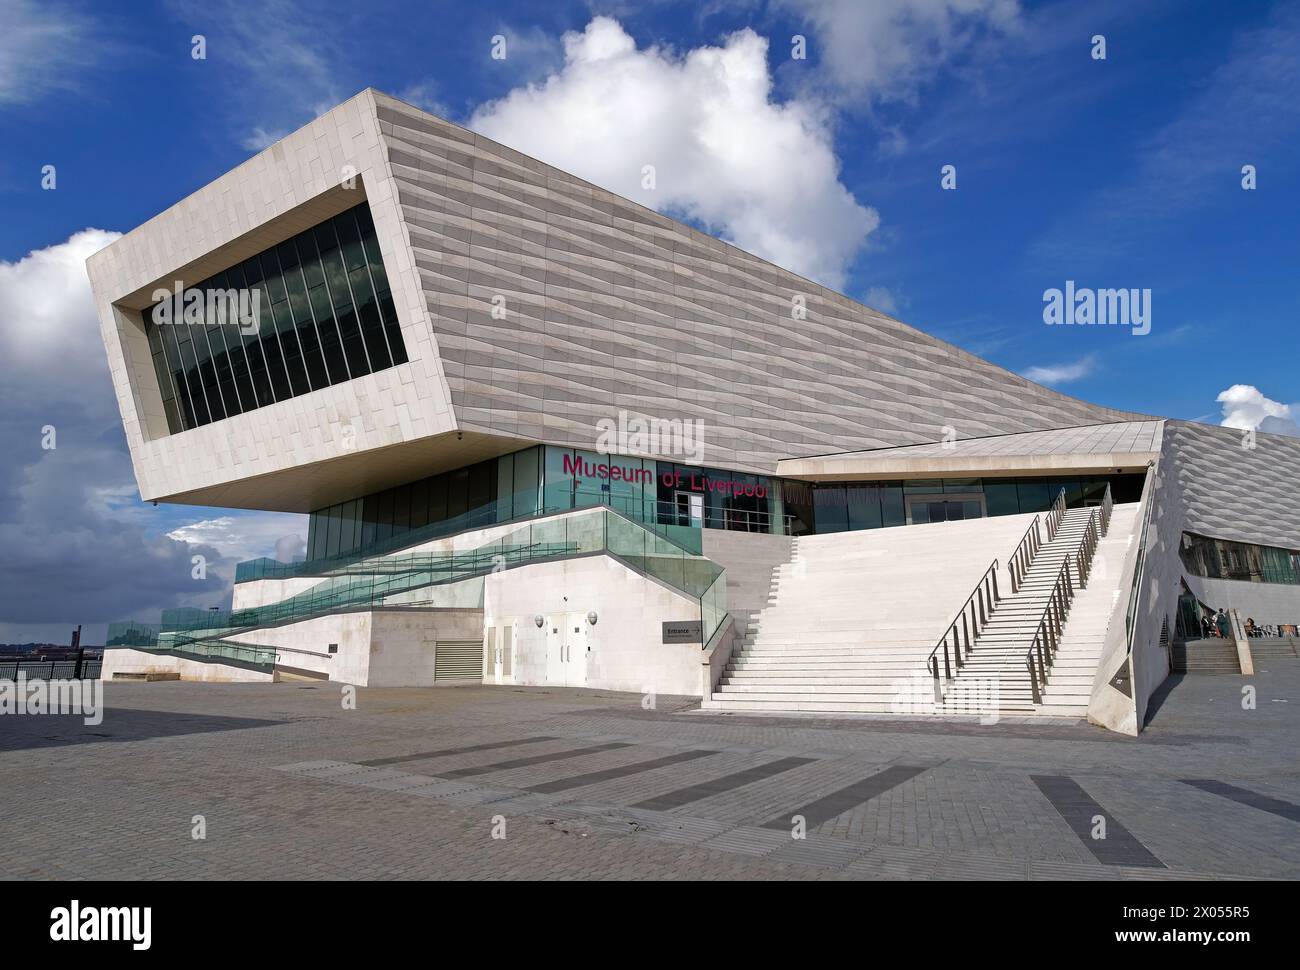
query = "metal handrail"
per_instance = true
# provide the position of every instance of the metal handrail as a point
(1087, 548)
(1048, 633)
(1107, 505)
(974, 614)
(1055, 514)
(1020, 561)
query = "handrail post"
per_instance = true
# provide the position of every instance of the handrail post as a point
(938, 690)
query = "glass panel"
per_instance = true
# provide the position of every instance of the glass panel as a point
(1034, 495)
(438, 498)
(333, 521)
(401, 509)
(325, 315)
(558, 488)
(384, 528)
(525, 481)
(831, 508)
(891, 504)
(1000, 496)
(420, 503)
(458, 492)
(863, 506)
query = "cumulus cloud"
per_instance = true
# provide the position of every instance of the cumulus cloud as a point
(1246, 408)
(76, 543)
(759, 173)
(1053, 374)
(885, 50)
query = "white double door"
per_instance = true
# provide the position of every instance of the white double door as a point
(567, 648)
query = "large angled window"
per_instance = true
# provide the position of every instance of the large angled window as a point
(313, 311)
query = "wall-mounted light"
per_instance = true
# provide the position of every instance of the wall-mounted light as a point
(539, 619)
(591, 617)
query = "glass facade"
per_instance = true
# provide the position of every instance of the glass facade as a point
(1222, 559)
(546, 479)
(872, 505)
(324, 315)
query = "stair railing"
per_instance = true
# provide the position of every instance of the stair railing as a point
(1107, 504)
(1020, 561)
(1047, 636)
(1055, 514)
(1088, 547)
(965, 629)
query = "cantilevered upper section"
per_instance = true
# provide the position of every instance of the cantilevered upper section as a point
(530, 305)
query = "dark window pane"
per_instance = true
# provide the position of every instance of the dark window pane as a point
(438, 498)
(300, 309)
(479, 486)
(331, 343)
(369, 519)
(251, 338)
(332, 535)
(306, 245)
(863, 506)
(350, 241)
(185, 349)
(271, 275)
(420, 503)
(384, 529)
(401, 509)
(393, 329)
(892, 511)
(372, 327)
(353, 348)
(324, 315)
(831, 509)
(1000, 496)
(457, 492)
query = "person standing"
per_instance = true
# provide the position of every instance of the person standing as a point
(1224, 624)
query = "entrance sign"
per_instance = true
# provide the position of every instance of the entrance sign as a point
(683, 631)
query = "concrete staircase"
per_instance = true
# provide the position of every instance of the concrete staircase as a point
(1213, 656)
(851, 618)
(998, 659)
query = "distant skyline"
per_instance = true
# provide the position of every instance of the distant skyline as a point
(1117, 173)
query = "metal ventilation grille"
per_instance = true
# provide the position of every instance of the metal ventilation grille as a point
(458, 660)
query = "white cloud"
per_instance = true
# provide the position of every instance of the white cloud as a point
(41, 49)
(881, 298)
(242, 536)
(76, 543)
(276, 61)
(756, 172)
(1052, 374)
(887, 49)
(1246, 408)
(46, 310)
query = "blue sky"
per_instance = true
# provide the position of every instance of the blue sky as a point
(1122, 172)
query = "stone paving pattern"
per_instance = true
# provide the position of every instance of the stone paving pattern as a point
(293, 786)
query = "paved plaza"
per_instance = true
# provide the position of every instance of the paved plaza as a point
(415, 783)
